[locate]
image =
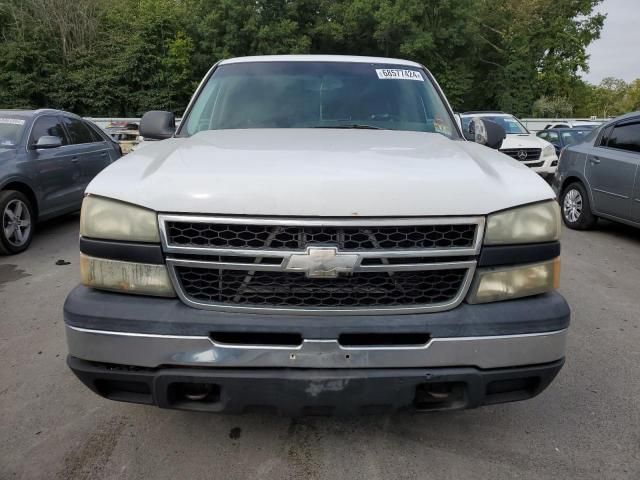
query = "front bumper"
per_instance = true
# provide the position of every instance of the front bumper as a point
(152, 351)
(146, 350)
(297, 392)
(548, 168)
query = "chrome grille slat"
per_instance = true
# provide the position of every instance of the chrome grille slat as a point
(174, 262)
(453, 252)
(398, 280)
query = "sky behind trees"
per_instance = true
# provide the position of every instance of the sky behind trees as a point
(616, 53)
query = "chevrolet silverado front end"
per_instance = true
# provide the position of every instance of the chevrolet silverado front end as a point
(316, 238)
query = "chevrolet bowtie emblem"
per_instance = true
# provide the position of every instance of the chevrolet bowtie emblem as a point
(322, 262)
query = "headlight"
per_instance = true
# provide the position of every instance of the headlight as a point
(107, 219)
(531, 224)
(549, 151)
(492, 285)
(125, 277)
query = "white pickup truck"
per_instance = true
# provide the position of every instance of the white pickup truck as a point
(317, 237)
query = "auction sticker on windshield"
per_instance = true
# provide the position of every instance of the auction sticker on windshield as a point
(398, 74)
(11, 121)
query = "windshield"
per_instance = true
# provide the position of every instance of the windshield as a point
(11, 128)
(510, 124)
(319, 95)
(570, 137)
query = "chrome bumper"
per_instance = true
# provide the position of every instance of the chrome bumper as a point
(147, 350)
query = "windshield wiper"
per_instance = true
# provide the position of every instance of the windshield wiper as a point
(357, 126)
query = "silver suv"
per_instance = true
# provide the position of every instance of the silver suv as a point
(600, 176)
(47, 159)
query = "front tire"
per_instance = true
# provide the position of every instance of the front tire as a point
(576, 209)
(17, 222)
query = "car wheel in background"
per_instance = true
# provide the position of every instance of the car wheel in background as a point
(17, 222)
(575, 207)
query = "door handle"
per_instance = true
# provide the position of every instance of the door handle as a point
(594, 160)
(74, 159)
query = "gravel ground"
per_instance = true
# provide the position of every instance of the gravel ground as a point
(586, 425)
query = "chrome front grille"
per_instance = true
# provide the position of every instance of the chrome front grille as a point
(523, 154)
(315, 266)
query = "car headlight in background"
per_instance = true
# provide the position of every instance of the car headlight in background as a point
(535, 223)
(107, 219)
(495, 284)
(549, 151)
(125, 277)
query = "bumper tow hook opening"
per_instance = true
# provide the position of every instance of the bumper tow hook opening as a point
(440, 396)
(196, 391)
(188, 392)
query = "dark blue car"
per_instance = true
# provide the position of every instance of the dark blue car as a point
(47, 159)
(564, 137)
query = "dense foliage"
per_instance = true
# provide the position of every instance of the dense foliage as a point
(123, 57)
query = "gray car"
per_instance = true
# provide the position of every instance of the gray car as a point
(47, 159)
(600, 176)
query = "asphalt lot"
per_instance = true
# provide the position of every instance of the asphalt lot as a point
(586, 425)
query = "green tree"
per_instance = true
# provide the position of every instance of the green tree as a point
(552, 107)
(531, 48)
(631, 100)
(123, 57)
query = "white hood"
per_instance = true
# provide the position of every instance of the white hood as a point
(524, 140)
(320, 172)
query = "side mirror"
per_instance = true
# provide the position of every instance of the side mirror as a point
(158, 125)
(48, 141)
(487, 133)
(557, 147)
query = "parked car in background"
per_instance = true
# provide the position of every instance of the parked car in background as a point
(585, 124)
(126, 134)
(563, 137)
(600, 176)
(520, 144)
(47, 159)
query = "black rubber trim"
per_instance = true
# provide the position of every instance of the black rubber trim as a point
(493, 256)
(99, 310)
(122, 251)
(297, 392)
